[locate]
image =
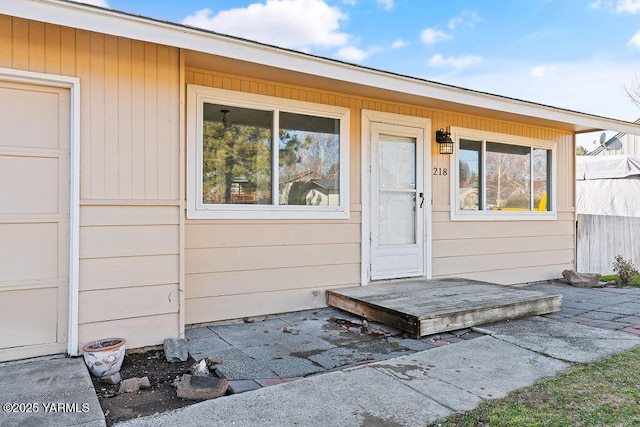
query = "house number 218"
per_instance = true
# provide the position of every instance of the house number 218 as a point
(440, 171)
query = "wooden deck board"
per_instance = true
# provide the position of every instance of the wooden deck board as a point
(425, 307)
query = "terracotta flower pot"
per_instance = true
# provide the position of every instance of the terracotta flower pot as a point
(105, 356)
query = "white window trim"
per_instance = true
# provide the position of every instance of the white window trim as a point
(457, 134)
(197, 96)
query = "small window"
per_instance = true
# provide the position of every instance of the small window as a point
(502, 176)
(252, 156)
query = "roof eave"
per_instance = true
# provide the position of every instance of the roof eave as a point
(106, 21)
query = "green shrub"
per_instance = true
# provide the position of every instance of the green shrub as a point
(625, 269)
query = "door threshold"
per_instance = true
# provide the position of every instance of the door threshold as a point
(396, 280)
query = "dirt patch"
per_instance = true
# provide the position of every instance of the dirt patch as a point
(160, 397)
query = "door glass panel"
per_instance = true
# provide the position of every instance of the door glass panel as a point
(396, 190)
(397, 162)
(397, 218)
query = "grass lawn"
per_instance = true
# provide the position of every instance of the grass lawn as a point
(615, 278)
(603, 393)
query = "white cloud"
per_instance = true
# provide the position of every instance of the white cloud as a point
(101, 3)
(294, 24)
(571, 85)
(468, 18)
(351, 54)
(432, 36)
(386, 4)
(628, 6)
(350, 2)
(399, 44)
(635, 40)
(455, 62)
(542, 70)
(596, 4)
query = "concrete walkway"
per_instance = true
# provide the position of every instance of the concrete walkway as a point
(415, 389)
(413, 382)
(447, 375)
(48, 392)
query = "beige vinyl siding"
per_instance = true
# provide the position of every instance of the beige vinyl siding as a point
(129, 104)
(129, 257)
(132, 199)
(240, 268)
(509, 252)
(129, 173)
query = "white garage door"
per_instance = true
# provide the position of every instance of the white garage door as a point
(34, 220)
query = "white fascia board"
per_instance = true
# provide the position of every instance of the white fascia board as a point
(140, 28)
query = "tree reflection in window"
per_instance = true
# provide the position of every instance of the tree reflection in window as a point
(309, 160)
(508, 176)
(496, 176)
(236, 155)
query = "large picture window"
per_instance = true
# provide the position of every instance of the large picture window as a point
(252, 156)
(502, 176)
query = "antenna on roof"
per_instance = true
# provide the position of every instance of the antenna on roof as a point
(603, 137)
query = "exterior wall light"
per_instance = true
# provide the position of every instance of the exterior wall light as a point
(445, 143)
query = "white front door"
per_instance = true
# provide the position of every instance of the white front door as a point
(398, 201)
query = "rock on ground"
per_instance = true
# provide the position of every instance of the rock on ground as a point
(582, 280)
(175, 350)
(131, 385)
(200, 388)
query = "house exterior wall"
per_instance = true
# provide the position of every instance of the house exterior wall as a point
(237, 268)
(132, 200)
(129, 173)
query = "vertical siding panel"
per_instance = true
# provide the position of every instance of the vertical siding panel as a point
(151, 121)
(97, 132)
(21, 44)
(52, 49)
(6, 41)
(36, 46)
(355, 188)
(188, 76)
(139, 119)
(83, 64)
(125, 118)
(175, 124)
(208, 80)
(111, 115)
(165, 136)
(67, 51)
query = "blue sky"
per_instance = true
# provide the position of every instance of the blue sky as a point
(576, 54)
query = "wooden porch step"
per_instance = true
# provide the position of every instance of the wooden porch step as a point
(426, 307)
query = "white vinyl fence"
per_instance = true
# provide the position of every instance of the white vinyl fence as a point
(601, 238)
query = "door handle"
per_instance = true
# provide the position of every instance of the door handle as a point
(421, 200)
